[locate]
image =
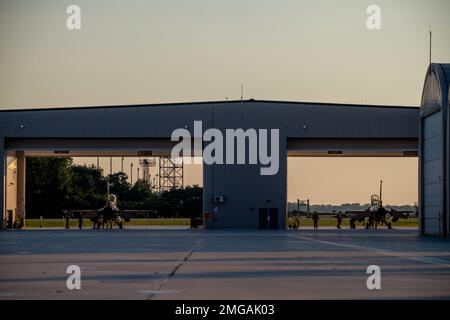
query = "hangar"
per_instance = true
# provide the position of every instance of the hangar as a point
(236, 195)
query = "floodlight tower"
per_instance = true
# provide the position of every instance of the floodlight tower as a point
(170, 174)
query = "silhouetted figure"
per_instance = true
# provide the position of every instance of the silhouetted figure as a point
(388, 220)
(192, 221)
(352, 223)
(95, 221)
(80, 221)
(339, 219)
(370, 222)
(315, 218)
(67, 218)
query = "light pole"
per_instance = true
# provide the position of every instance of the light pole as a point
(131, 173)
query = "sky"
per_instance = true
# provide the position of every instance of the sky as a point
(136, 51)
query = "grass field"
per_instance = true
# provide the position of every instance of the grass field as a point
(60, 223)
(304, 222)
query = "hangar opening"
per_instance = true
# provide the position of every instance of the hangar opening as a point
(50, 178)
(341, 177)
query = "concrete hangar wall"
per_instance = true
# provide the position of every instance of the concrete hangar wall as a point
(434, 152)
(306, 129)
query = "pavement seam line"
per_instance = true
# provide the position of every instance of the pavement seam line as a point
(380, 251)
(172, 273)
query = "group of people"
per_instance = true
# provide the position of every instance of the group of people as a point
(108, 215)
(68, 215)
(339, 217)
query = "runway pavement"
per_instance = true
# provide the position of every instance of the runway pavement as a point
(160, 263)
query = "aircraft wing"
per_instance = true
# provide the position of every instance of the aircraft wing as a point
(404, 214)
(128, 214)
(359, 214)
(125, 214)
(84, 213)
(305, 214)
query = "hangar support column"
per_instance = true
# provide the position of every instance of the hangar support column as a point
(3, 180)
(21, 174)
(208, 198)
(238, 196)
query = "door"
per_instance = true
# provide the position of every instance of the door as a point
(268, 218)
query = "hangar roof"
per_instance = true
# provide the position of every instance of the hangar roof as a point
(213, 102)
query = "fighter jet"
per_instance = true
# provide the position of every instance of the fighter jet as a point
(107, 216)
(376, 214)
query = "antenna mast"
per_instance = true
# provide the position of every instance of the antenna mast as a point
(431, 33)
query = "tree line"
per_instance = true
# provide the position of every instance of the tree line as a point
(55, 184)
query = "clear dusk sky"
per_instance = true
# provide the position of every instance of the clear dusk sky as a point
(137, 51)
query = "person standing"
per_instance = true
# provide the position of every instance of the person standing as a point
(352, 223)
(80, 221)
(339, 219)
(315, 218)
(67, 219)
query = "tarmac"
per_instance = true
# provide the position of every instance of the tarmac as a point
(178, 263)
